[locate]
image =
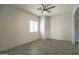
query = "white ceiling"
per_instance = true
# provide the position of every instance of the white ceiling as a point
(59, 9)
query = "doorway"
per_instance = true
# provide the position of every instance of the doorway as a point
(76, 17)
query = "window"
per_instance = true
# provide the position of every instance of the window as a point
(33, 26)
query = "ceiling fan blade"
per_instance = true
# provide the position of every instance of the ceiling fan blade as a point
(48, 11)
(51, 7)
(43, 5)
(39, 8)
(42, 12)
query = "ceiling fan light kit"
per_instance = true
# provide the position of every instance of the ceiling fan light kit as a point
(44, 9)
(44, 12)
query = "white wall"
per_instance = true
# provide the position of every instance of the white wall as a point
(14, 27)
(47, 26)
(42, 27)
(61, 27)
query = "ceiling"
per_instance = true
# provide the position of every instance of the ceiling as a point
(59, 9)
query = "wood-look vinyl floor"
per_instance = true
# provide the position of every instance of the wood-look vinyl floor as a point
(45, 47)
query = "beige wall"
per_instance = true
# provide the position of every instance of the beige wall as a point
(14, 27)
(61, 27)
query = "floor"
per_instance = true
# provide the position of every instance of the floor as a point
(78, 48)
(45, 47)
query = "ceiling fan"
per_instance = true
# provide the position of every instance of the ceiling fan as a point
(45, 9)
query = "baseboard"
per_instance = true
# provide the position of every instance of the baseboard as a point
(58, 39)
(18, 45)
